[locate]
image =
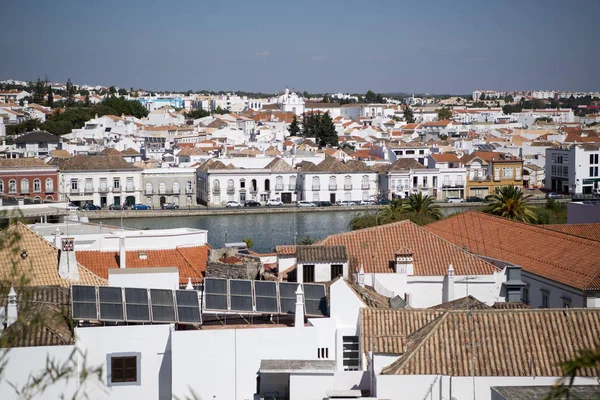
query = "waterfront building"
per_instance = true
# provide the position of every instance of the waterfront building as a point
(573, 169)
(100, 180)
(169, 185)
(37, 144)
(488, 171)
(28, 177)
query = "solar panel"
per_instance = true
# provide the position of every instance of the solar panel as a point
(215, 294)
(136, 305)
(287, 297)
(188, 307)
(266, 296)
(315, 301)
(241, 295)
(163, 308)
(111, 303)
(83, 303)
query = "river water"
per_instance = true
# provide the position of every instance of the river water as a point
(266, 230)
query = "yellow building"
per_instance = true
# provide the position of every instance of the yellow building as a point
(488, 171)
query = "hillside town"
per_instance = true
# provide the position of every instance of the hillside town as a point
(471, 305)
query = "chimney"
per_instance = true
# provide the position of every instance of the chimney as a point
(67, 264)
(449, 289)
(299, 321)
(189, 285)
(122, 256)
(57, 241)
(404, 262)
(361, 276)
(11, 308)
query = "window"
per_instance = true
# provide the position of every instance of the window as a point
(336, 270)
(316, 185)
(347, 182)
(103, 184)
(424, 181)
(188, 187)
(267, 185)
(253, 186)
(49, 185)
(365, 182)
(176, 187)
(123, 369)
(308, 273)
(12, 186)
(593, 158)
(242, 183)
(130, 184)
(332, 183)
(24, 185)
(37, 185)
(116, 183)
(525, 295)
(351, 354)
(89, 185)
(566, 302)
(593, 171)
(162, 188)
(279, 183)
(1, 186)
(148, 188)
(292, 183)
(507, 172)
(545, 299)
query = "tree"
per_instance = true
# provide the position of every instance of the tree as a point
(408, 115)
(512, 203)
(327, 135)
(482, 97)
(543, 119)
(50, 100)
(122, 92)
(509, 99)
(127, 107)
(588, 358)
(249, 242)
(39, 91)
(422, 208)
(197, 114)
(112, 90)
(307, 240)
(370, 97)
(294, 128)
(70, 92)
(444, 113)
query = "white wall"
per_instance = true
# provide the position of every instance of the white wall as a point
(151, 341)
(144, 278)
(24, 362)
(310, 386)
(224, 363)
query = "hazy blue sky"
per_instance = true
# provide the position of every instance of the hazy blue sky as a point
(320, 46)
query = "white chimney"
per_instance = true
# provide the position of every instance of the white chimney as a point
(11, 308)
(122, 256)
(450, 284)
(361, 276)
(299, 321)
(189, 285)
(57, 240)
(67, 263)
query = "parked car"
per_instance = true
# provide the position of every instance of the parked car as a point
(170, 206)
(140, 206)
(251, 203)
(323, 204)
(115, 207)
(383, 202)
(553, 195)
(474, 199)
(347, 203)
(232, 203)
(274, 202)
(90, 207)
(454, 200)
(367, 202)
(72, 207)
(304, 203)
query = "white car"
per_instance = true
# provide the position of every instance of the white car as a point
(233, 203)
(304, 203)
(72, 207)
(454, 200)
(347, 203)
(367, 202)
(274, 202)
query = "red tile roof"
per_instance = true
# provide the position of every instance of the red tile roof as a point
(190, 261)
(446, 157)
(375, 248)
(561, 257)
(587, 231)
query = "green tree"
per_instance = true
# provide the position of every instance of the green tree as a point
(370, 97)
(408, 115)
(195, 114)
(112, 90)
(444, 113)
(394, 211)
(307, 240)
(122, 92)
(327, 135)
(294, 128)
(422, 208)
(123, 106)
(509, 99)
(362, 221)
(70, 92)
(512, 203)
(249, 242)
(588, 358)
(39, 90)
(50, 100)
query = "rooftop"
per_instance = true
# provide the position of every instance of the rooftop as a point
(296, 366)
(94, 163)
(587, 231)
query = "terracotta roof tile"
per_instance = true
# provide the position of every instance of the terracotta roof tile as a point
(445, 157)
(29, 162)
(537, 250)
(375, 249)
(321, 254)
(587, 231)
(190, 261)
(101, 162)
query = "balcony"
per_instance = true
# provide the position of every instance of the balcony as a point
(316, 187)
(189, 191)
(479, 179)
(148, 192)
(216, 190)
(453, 185)
(365, 186)
(116, 189)
(230, 190)
(348, 187)
(88, 190)
(496, 179)
(278, 188)
(102, 189)
(332, 187)
(130, 189)
(291, 188)
(253, 190)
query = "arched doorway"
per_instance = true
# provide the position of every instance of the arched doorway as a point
(130, 200)
(163, 200)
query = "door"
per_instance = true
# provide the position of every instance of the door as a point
(332, 198)
(242, 197)
(130, 200)
(102, 201)
(117, 200)
(162, 201)
(286, 197)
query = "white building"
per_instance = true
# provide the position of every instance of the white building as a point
(100, 180)
(573, 169)
(290, 102)
(306, 264)
(169, 185)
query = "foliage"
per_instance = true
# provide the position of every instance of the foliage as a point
(444, 113)
(124, 106)
(422, 207)
(30, 124)
(50, 101)
(543, 119)
(553, 212)
(39, 90)
(509, 99)
(371, 97)
(195, 114)
(585, 358)
(220, 110)
(511, 108)
(408, 115)
(294, 128)
(249, 242)
(307, 240)
(321, 128)
(70, 92)
(122, 92)
(511, 202)
(362, 221)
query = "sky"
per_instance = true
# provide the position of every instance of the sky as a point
(426, 46)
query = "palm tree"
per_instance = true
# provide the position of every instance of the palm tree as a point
(511, 202)
(422, 208)
(392, 212)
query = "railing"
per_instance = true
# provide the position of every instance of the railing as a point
(365, 186)
(216, 190)
(332, 187)
(316, 187)
(253, 191)
(88, 190)
(189, 191)
(102, 189)
(230, 190)
(130, 189)
(291, 187)
(496, 179)
(116, 189)
(348, 187)
(278, 188)
(479, 178)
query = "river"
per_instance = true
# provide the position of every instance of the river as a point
(266, 230)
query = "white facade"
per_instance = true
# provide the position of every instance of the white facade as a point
(169, 185)
(342, 186)
(101, 188)
(291, 102)
(573, 170)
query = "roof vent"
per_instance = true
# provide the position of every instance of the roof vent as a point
(143, 255)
